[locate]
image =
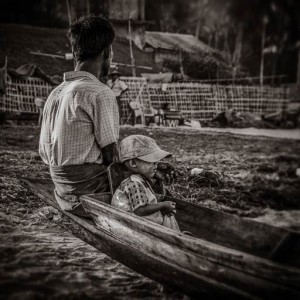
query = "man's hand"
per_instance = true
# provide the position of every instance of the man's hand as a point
(166, 172)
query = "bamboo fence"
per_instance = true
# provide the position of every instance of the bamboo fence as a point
(203, 101)
(20, 94)
(198, 101)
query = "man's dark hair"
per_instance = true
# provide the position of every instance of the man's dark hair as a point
(89, 36)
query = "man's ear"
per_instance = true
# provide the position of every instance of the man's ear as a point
(106, 53)
(105, 65)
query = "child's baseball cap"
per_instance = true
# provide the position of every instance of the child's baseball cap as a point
(141, 147)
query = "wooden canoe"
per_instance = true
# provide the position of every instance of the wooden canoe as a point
(228, 256)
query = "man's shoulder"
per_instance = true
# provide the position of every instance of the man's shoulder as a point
(90, 86)
(57, 90)
(93, 90)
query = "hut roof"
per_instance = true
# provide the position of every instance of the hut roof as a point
(17, 41)
(175, 41)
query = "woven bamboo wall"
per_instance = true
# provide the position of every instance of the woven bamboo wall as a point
(250, 99)
(204, 101)
(138, 92)
(20, 94)
(195, 100)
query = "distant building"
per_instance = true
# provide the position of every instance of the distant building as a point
(121, 11)
(168, 46)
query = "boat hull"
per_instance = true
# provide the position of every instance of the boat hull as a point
(191, 265)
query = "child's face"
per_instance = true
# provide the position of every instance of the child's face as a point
(147, 169)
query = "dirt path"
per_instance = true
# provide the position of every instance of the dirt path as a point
(293, 134)
(274, 133)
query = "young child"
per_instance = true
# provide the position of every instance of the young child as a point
(140, 154)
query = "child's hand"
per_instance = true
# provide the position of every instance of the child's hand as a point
(169, 208)
(166, 172)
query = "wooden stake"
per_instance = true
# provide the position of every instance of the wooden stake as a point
(131, 52)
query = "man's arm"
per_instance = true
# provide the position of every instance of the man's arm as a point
(106, 125)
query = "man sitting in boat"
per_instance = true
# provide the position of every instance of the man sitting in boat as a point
(80, 126)
(140, 154)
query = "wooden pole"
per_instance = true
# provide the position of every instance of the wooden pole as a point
(88, 9)
(69, 56)
(180, 62)
(131, 66)
(70, 22)
(47, 54)
(69, 12)
(131, 52)
(197, 28)
(199, 19)
(298, 71)
(262, 51)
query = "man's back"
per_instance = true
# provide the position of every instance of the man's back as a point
(80, 118)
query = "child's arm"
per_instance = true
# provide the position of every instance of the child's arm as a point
(149, 209)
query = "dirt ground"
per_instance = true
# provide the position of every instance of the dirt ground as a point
(250, 176)
(244, 175)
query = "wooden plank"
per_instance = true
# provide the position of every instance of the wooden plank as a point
(287, 250)
(245, 235)
(250, 264)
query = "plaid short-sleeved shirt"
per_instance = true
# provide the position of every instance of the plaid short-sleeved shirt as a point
(135, 192)
(80, 117)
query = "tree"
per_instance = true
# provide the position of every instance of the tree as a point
(282, 31)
